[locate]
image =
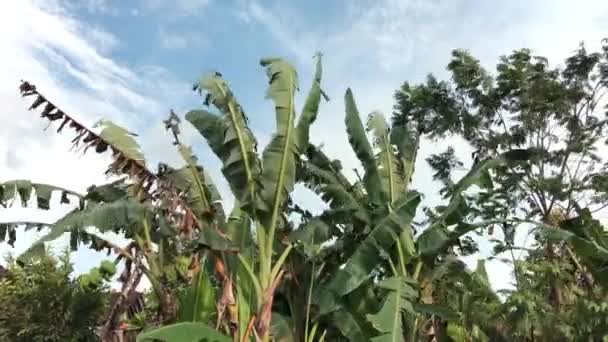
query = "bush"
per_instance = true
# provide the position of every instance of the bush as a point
(40, 302)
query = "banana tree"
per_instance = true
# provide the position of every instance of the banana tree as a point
(173, 218)
(22, 189)
(368, 272)
(168, 217)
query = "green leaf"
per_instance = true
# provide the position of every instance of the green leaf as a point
(125, 215)
(121, 139)
(589, 246)
(12, 235)
(244, 302)
(589, 241)
(363, 149)
(107, 268)
(197, 304)
(278, 177)
(432, 240)
(438, 310)
(283, 83)
(481, 272)
(282, 328)
(23, 187)
(43, 195)
(229, 137)
(184, 332)
(311, 235)
(318, 158)
(314, 231)
(211, 238)
(479, 174)
(238, 228)
(311, 107)
(407, 143)
(107, 192)
(449, 265)
(478, 335)
(327, 301)
(348, 326)
(389, 320)
(437, 236)
(389, 166)
(325, 183)
(457, 333)
(324, 177)
(8, 192)
(406, 239)
(380, 240)
(3, 230)
(214, 129)
(201, 194)
(279, 172)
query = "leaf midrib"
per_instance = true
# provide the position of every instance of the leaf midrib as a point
(389, 164)
(397, 315)
(285, 150)
(239, 134)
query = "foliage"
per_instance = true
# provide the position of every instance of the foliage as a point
(184, 332)
(42, 302)
(558, 115)
(364, 269)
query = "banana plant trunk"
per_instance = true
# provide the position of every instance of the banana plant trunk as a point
(119, 306)
(167, 306)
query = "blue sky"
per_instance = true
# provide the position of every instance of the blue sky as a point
(131, 61)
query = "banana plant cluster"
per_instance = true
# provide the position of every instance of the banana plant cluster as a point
(370, 272)
(189, 223)
(360, 270)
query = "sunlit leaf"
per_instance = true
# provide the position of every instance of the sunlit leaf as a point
(184, 332)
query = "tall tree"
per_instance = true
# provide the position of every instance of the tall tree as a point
(42, 301)
(558, 114)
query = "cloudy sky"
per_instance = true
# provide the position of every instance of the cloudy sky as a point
(131, 61)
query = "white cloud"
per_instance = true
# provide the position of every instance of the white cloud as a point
(180, 40)
(243, 16)
(178, 7)
(192, 7)
(103, 40)
(91, 6)
(275, 26)
(172, 40)
(96, 5)
(53, 50)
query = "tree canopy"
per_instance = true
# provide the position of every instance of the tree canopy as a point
(41, 301)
